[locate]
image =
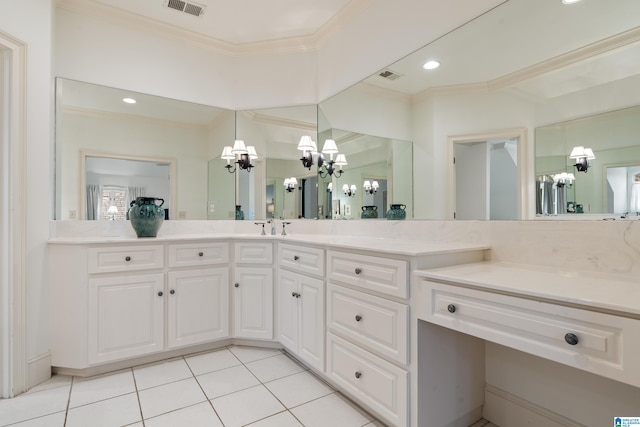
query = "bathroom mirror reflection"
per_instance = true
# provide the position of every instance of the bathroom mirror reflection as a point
(95, 119)
(608, 185)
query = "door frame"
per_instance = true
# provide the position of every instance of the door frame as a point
(526, 190)
(13, 140)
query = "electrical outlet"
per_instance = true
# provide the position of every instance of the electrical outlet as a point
(72, 214)
(212, 207)
(182, 215)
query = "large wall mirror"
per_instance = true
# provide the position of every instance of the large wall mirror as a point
(114, 150)
(536, 67)
(521, 66)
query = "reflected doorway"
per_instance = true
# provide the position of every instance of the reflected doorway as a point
(486, 177)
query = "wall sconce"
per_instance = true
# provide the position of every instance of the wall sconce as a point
(241, 154)
(369, 187)
(113, 210)
(308, 148)
(582, 156)
(330, 187)
(564, 178)
(349, 191)
(290, 184)
(329, 147)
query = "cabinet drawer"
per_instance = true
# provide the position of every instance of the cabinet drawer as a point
(194, 254)
(254, 252)
(125, 258)
(377, 323)
(302, 259)
(381, 386)
(600, 343)
(385, 275)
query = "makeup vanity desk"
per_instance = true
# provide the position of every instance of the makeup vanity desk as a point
(590, 321)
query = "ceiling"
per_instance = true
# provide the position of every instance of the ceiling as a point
(244, 21)
(544, 49)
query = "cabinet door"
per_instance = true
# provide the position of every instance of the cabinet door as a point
(126, 317)
(198, 306)
(253, 303)
(288, 310)
(311, 315)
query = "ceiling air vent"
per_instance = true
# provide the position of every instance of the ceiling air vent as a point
(186, 7)
(390, 75)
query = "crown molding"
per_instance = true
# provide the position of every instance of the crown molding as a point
(299, 44)
(280, 121)
(566, 59)
(90, 112)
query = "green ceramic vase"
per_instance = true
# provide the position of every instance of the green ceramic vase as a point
(369, 212)
(239, 213)
(397, 212)
(146, 216)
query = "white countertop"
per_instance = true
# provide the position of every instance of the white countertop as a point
(592, 290)
(390, 246)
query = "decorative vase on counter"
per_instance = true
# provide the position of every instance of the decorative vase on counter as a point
(397, 211)
(146, 216)
(239, 213)
(369, 212)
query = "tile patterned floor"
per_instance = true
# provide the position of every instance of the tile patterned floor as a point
(231, 387)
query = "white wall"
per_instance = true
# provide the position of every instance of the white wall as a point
(31, 22)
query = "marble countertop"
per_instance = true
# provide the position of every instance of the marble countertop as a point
(386, 245)
(592, 290)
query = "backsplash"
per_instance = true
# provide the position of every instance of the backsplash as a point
(588, 246)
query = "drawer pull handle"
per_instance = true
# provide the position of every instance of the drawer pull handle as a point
(571, 339)
(237, 285)
(293, 294)
(160, 294)
(172, 291)
(296, 257)
(358, 270)
(451, 308)
(127, 258)
(358, 318)
(200, 253)
(358, 374)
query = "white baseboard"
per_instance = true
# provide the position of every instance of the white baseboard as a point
(506, 410)
(38, 370)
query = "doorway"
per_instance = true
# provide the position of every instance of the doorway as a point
(486, 176)
(13, 360)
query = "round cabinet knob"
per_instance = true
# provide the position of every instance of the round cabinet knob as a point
(451, 308)
(296, 257)
(237, 285)
(127, 258)
(358, 374)
(358, 318)
(172, 291)
(358, 270)
(571, 339)
(160, 294)
(200, 253)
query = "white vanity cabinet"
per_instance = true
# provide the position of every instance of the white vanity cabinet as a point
(368, 330)
(125, 317)
(111, 302)
(301, 303)
(252, 290)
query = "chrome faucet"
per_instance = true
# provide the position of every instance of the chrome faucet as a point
(273, 226)
(284, 233)
(262, 224)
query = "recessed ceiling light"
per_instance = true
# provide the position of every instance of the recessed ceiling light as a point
(431, 65)
(129, 100)
(570, 1)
